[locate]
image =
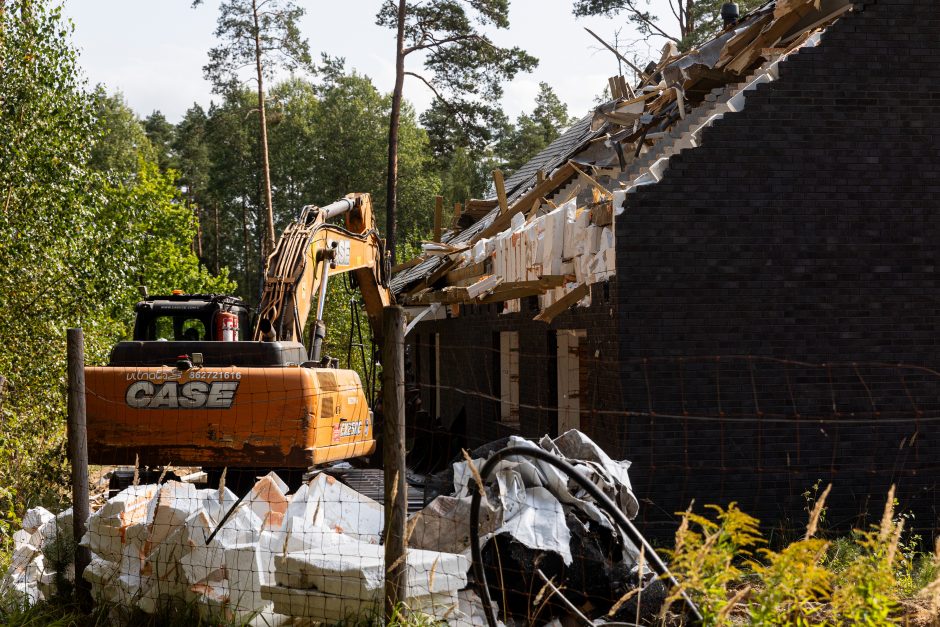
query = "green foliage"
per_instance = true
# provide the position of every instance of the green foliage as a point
(248, 29)
(708, 557)
(122, 140)
(534, 131)
(868, 578)
(464, 160)
(697, 21)
(795, 584)
(466, 70)
(866, 593)
(161, 135)
(86, 211)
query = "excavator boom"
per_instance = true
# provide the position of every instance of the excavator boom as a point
(308, 253)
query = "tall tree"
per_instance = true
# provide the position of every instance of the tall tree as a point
(464, 68)
(464, 160)
(192, 162)
(78, 222)
(122, 140)
(262, 34)
(534, 131)
(161, 135)
(688, 24)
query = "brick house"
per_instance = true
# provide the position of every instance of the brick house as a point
(772, 315)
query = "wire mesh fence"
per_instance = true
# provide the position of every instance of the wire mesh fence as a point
(270, 544)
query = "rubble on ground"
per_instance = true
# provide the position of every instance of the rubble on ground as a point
(535, 520)
(314, 554)
(317, 554)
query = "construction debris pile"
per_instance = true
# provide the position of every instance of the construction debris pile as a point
(542, 533)
(314, 554)
(549, 232)
(317, 554)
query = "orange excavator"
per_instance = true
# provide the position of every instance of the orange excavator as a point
(191, 388)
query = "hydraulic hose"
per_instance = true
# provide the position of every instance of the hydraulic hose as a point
(602, 500)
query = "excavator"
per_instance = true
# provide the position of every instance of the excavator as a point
(192, 389)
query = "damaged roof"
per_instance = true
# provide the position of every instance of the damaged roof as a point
(551, 235)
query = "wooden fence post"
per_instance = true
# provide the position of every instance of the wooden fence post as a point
(393, 438)
(78, 456)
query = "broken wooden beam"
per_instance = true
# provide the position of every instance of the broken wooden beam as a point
(561, 305)
(503, 220)
(438, 215)
(500, 191)
(477, 269)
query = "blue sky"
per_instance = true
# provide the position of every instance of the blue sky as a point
(153, 52)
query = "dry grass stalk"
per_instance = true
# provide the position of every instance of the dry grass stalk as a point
(732, 603)
(474, 471)
(895, 541)
(887, 519)
(433, 571)
(222, 485)
(166, 469)
(816, 513)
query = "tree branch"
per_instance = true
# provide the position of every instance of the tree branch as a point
(437, 94)
(640, 16)
(617, 52)
(440, 42)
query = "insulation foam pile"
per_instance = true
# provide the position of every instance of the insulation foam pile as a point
(314, 554)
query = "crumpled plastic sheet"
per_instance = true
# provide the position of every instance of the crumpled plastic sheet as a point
(528, 498)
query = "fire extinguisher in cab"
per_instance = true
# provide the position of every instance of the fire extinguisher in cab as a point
(226, 327)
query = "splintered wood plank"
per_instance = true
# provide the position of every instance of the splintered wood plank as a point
(502, 221)
(500, 192)
(438, 215)
(561, 305)
(466, 272)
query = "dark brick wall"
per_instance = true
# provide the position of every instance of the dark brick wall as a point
(805, 231)
(470, 365)
(807, 227)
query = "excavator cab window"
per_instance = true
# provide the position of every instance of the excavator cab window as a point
(177, 329)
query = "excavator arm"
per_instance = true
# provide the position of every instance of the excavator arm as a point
(311, 250)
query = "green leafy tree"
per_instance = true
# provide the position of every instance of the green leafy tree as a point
(84, 204)
(464, 68)
(161, 135)
(464, 160)
(49, 200)
(234, 190)
(122, 138)
(688, 24)
(192, 163)
(534, 131)
(263, 34)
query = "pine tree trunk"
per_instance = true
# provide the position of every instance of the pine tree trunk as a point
(217, 247)
(391, 196)
(269, 240)
(247, 239)
(197, 211)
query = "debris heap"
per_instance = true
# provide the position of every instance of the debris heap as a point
(316, 554)
(313, 554)
(537, 525)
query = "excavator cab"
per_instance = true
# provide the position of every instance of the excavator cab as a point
(191, 318)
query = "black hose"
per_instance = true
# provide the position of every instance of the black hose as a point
(602, 500)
